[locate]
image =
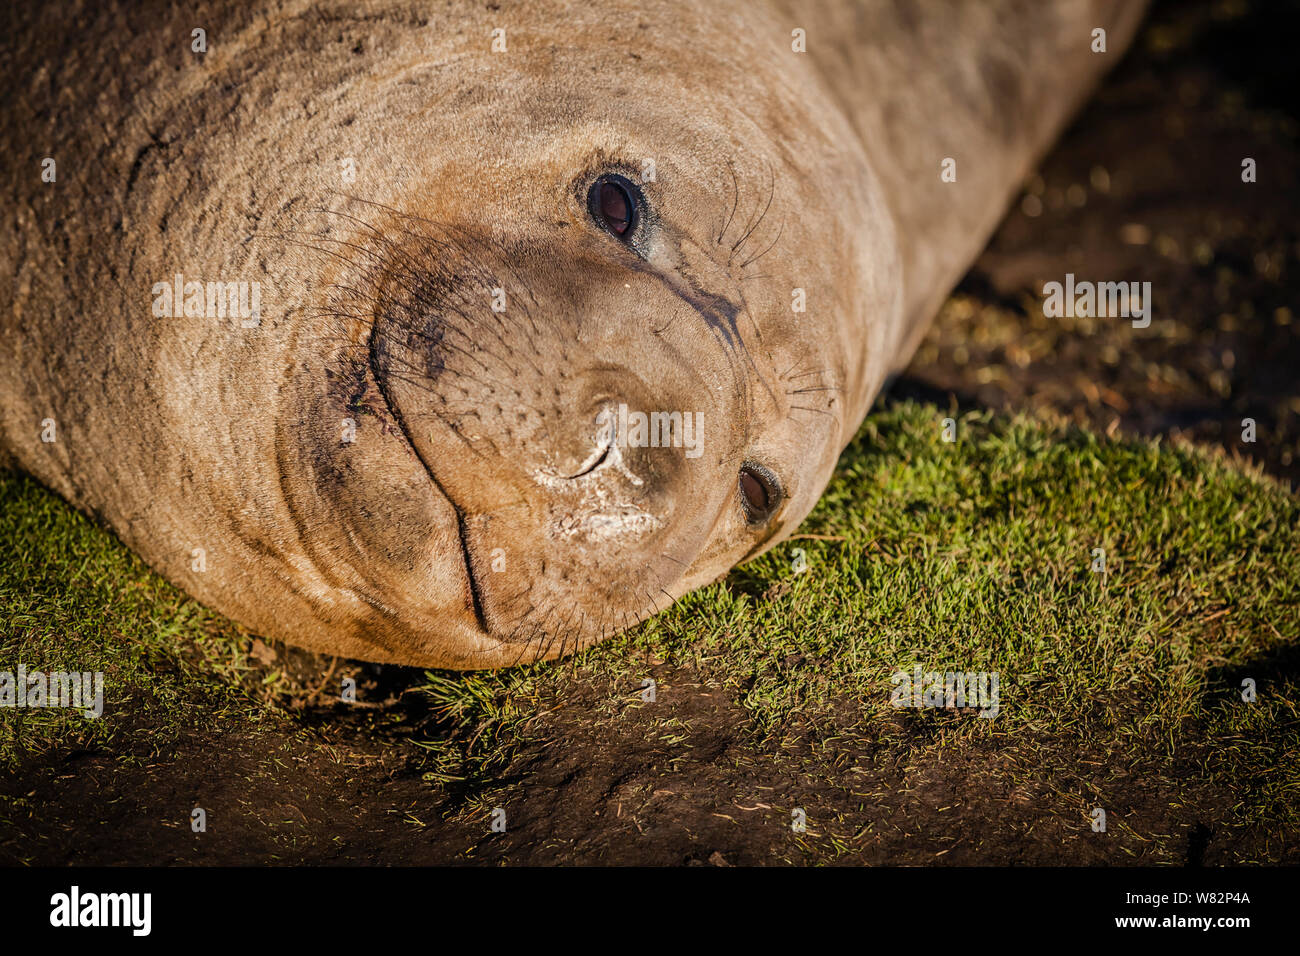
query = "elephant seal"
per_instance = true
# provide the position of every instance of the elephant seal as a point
(457, 334)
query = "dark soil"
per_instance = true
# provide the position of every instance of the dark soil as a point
(347, 789)
(1147, 186)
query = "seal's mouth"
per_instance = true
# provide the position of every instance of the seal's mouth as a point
(467, 556)
(475, 601)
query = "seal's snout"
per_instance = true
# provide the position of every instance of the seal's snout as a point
(577, 524)
(604, 501)
(571, 446)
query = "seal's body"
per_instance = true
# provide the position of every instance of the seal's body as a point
(462, 334)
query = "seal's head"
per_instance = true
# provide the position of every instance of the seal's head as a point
(608, 316)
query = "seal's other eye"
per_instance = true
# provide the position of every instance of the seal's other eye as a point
(613, 202)
(760, 492)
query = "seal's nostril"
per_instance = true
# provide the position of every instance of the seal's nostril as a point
(599, 458)
(605, 439)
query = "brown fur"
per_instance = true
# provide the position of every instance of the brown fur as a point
(436, 538)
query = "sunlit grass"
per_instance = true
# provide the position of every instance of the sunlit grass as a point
(975, 555)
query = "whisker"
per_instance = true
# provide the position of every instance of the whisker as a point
(819, 411)
(770, 247)
(735, 202)
(818, 388)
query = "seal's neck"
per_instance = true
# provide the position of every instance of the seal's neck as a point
(986, 86)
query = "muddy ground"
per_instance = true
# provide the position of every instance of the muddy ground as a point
(1146, 185)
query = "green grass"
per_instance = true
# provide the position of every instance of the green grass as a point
(968, 556)
(73, 598)
(977, 556)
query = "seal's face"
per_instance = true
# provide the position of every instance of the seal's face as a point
(610, 337)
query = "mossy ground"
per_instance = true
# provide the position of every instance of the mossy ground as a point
(974, 555)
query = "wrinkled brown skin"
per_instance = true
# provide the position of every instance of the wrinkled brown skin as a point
(774, 170)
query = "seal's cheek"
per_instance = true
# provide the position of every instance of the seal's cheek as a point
(366, 553)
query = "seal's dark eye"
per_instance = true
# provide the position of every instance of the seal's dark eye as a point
(613, 204)
(760, 492)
